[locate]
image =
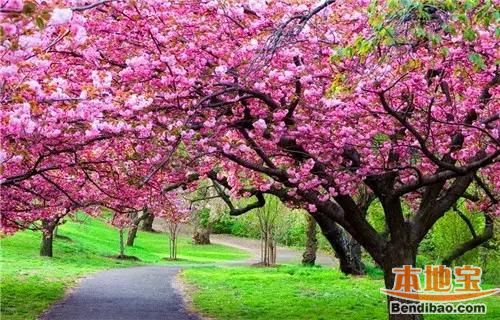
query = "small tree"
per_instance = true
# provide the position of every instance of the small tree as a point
(175, 210)
(121, 221)
(272, 225)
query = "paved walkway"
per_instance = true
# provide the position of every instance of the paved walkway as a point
(283, 255)
(124, 294)
(146, 292)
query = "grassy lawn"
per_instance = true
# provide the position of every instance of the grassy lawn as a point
(30, 283)
(294, 292)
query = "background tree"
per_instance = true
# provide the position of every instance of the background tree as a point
(135, 220)
(309, 255)
(147, 223)
(204, 206)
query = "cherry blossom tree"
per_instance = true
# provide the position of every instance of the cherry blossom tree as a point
(410, 118)
(175, 210)
(64, 144)
(325, 105)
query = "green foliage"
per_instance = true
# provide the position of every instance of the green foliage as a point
(447, 233)
(391, 25)
(292, 222)
(223, 225)
(30, 283)
(204, 217)
(477, 60)
(375, 216)
(295, 292)
(450, 231)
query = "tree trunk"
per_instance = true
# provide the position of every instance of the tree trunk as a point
(201, 235)
(350, 256)
(398, 255)
(264, 250)
(309, 256)
(147, 224)
(172, 240)
(273, 249)
(173, 247)
(122, 246)
(47, 238)
(347, 250)
(132, 233)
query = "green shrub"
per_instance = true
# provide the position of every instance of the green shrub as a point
(223, 225)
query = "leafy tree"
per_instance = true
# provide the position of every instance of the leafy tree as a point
(325, 106)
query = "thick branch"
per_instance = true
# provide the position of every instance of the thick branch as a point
(261, 201)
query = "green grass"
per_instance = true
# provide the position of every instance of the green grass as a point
(30, 283)
(294, 292)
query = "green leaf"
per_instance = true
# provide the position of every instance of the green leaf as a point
(477, 60)
(29, 7)
(435, 38)
(40, 23)
(470, 4)
(462, 17)
(469, 34)
(444, 51)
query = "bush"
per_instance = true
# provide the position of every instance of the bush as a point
(223, 225)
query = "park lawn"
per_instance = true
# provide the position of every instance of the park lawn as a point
(30, 283)
(295, 292)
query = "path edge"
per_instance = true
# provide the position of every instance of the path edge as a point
(185, 291)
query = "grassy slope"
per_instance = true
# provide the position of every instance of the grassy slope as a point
(293, 292)
(29, 283)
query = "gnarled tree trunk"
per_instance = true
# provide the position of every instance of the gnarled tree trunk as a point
(201, 235)
(309, 256)
(347, 250)
(136, 220)
(147, 224)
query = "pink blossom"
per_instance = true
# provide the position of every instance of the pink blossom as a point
(260, 124)
(60, 16)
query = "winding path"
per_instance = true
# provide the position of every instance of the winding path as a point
(284, 255)
(124, 294)
(146, 292)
